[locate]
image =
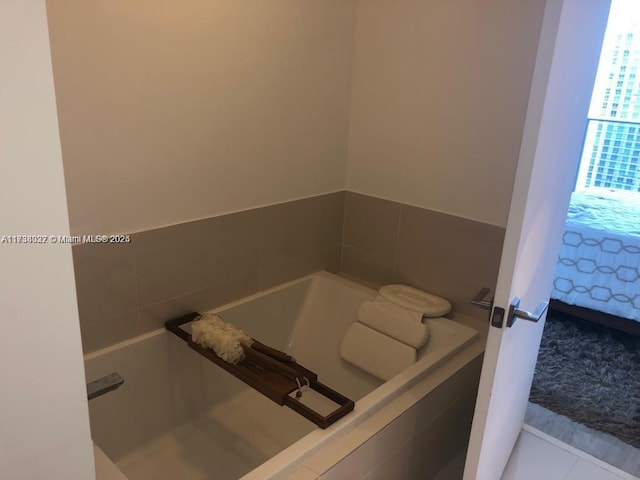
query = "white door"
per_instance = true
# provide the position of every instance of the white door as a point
(566, 64)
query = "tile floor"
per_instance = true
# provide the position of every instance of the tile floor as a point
(539, 456)
(605, 447)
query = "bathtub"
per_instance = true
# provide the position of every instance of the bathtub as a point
(178, 415)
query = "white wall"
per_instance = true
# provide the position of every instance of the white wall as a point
(438, 102)
(172, 111)
(44, 419)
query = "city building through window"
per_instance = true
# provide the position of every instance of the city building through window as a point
(611, 150)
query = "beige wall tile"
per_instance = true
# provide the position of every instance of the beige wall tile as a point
(423, 438)
(370, 223)
(294, 229)
(155, 316)
(300, 266)
(386, 242)
(104, 333)
(376, 266)
(180, 259)
(105, 280)
(200, 265)
(439, 442)
(449, 256)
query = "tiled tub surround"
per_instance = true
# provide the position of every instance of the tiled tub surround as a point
(387, 242)
(128, 289)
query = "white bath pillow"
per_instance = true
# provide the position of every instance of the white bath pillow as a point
(416, 300)
(393, 324)
(375, 353)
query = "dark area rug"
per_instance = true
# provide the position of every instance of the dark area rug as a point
(591, 374)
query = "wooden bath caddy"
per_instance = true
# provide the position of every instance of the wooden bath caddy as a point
(272, 373)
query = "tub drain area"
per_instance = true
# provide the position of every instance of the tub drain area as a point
(227, 441)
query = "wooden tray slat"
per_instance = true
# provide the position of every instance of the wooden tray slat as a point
(275, 378)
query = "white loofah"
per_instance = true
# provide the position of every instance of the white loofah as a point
(225, 339)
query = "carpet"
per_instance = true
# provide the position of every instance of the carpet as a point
(591, 374)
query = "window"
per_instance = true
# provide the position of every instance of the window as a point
(610, 154)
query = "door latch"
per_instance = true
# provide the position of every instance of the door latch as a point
(479, 300)
(515, 312)
(494, 313)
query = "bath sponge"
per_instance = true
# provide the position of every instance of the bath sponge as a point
(225, 339)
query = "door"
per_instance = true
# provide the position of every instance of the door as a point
(566, 63)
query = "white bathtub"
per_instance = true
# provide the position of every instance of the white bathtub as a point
(179, 416)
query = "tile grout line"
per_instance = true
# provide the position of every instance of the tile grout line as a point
(135, 276)
(344, 229)
(199, 289)
(260, 247)
(579, 453)
(397, 249)
(573, 465)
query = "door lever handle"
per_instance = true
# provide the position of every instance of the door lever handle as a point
(479, 299)
(515, 312)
